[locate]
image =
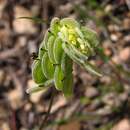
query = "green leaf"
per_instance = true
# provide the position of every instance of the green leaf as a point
(77, 52)
(91, 68)
(57, 50)
(47, 35)
(54, 27)
(90, 36)
(58, 77)
(47, 66)
(50, 47)
(82, 62)
(72, 54)
(37, 73)
(69, 22)
(40, 87)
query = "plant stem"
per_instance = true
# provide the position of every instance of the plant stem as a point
(48, 111)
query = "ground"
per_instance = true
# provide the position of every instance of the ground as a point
(98, 103)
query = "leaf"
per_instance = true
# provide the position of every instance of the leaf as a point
(34, 89)
(78, 53)
(40, 87)
(75, 57)
(57, 50)
(58, 77)
(90, 36)
(54, 27)
(79, 32)
(50, 47)
(47, 66)
(45, 40)
(69, 22)
(35, 19)
(72, 54)
(37, 73)
(91, 68)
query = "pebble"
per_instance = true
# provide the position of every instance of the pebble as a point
(108, 8)
(114, 37)
(4, 126)
(113, 28)
(124, 124)
(15, 98)
(91, 92)
(125, 54)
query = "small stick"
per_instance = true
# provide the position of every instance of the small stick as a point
(48, 112)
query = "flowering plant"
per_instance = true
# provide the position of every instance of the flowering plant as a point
(64, 42)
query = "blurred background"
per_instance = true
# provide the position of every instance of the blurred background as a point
(98, 103)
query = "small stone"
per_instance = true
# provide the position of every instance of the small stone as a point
(91, 92)
(108, 8)
(114, 37)
(27, 107)
(125, 54)
(127, 38)
(124, 124)
(15, 98)
(108, 51)
(4, 126)
(35, 97)
(116, 59)
(123, 97)
(113, 28)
